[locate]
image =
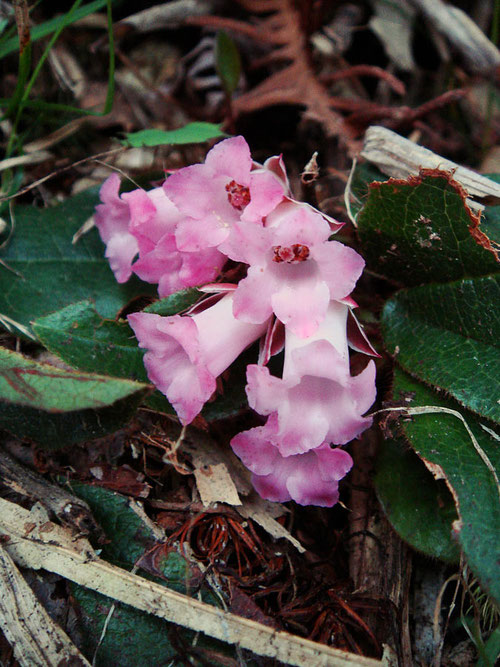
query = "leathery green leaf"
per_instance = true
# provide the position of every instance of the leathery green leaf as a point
(192, 133)
(422, 230)
(420, 508)
(85, 340)
(470, 468)
(449, 336)
(42, 271)
(57, 407)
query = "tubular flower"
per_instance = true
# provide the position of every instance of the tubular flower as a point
(145, 223)
(317, 400)
(185, 354)
(309, 479)
(112, 219)
(154, 219)
(294, 271)
(215, 195)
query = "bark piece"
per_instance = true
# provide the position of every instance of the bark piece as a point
(68, 508)
(379, 563)
(36, 640)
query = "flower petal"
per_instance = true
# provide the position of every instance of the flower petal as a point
(309, 479)
(231, 157)
(265, 391)
(339, 266)
(255, 450)
(120, 251)
(173, 361)
(194, 235)
(306, 487)
(302, 307)
(266, 192)
(252, 298)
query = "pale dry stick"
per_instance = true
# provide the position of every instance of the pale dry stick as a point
(55, 137)
(28, 483)
(119, 171)
(9, 324)
(50, 547)
(166, 15)
(437, 613)
(480, 55)
(35, 639)
(57, 172)
(347, 194)
(436, 409)
(30, 158)
(490, 432)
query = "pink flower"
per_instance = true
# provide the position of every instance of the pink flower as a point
(112, 219)
(185, 354)
(294, 270)
(145, 222)
(154, 219)
(317, 400)
(309, 479)
(214, 195)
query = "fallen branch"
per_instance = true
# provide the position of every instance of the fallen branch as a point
(69, 509)
(52, 548)
(36, 640)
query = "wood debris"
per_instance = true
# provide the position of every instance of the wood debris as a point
(52, 548)
(37, 641)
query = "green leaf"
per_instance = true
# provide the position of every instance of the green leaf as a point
(84, 340)
(421, 230)
(442, 440)
(87, 341)
(420, 508)
(449, 336)
(136, 637)
(48, 27)
(227, 62)
(175, 303)
(491, 649)
(42, 271)
(192, 133)
(58, 407)
(132, 637)
(127, 536)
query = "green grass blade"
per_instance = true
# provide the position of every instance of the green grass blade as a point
(11, 45)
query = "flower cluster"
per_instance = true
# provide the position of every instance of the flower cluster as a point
(295, 296)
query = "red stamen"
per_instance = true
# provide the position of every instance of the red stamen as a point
(237, 195)
(294, 254)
